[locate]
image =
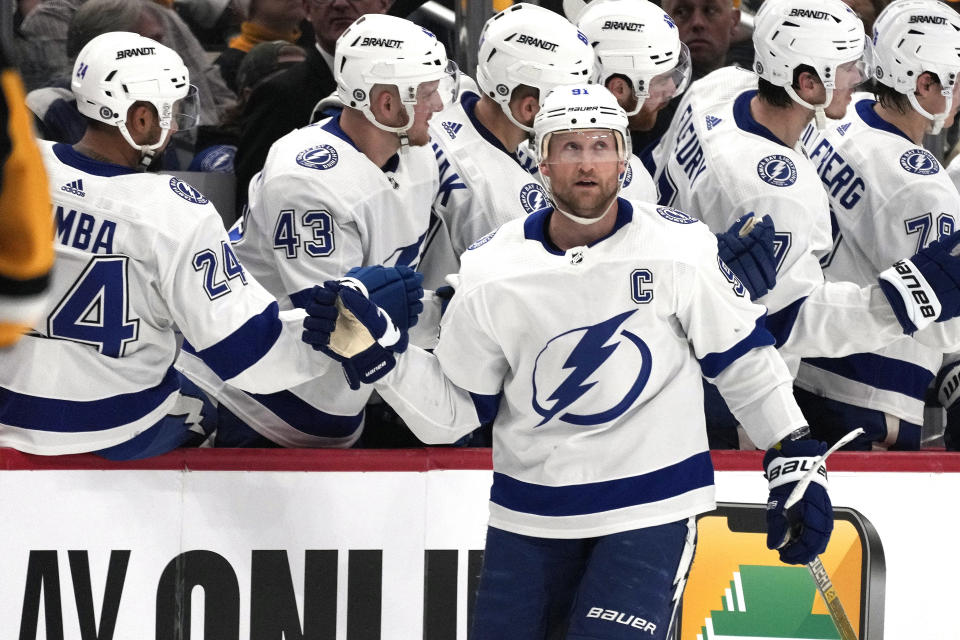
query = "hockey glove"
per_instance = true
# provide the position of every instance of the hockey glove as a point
(926, 287)
(363, 339)
(396, 290)
(801, 532)
(747, 248)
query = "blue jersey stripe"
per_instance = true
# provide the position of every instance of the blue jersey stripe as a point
(244, 347)
(880, 372)
(487, 406)
(713, 364)
(574, 500)
(76, 416)
(305, 417)
(780, 323)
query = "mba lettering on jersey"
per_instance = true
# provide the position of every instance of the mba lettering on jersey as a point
(605, 366)
(135, 259)
(318, 208)
(889, 198)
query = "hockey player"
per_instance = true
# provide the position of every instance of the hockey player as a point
(349, 191)
(889, 197)
(139, 255)
(482, 183)
(594, 320)
(729, 158)
(640, 58)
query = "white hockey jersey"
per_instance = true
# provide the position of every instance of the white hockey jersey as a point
(718, 164)
(318, 208)
(139, 256)
(597, 354)
(889, 198)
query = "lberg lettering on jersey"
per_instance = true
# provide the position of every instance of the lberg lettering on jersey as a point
(837, 176)
(381, 42)
(906, 270)
(927, 20)
(546, 45)
(622, 618)
(810, 13)
(138, 51)
(82, 231)
(617, 25)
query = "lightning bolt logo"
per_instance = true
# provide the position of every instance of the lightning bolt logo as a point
(589, 354)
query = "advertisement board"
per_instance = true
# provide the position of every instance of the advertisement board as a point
(331, 545)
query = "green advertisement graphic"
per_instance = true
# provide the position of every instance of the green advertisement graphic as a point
(768, 603)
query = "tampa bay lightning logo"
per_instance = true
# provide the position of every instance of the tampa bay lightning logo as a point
(533, 197)
(582, 376)
(628, 178)
(320, 157)
(777, 170)
(675, 215)
(920, 161)
(187, 192)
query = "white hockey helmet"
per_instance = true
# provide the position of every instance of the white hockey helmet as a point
(117, 69)
(914, 36)
(528, 45)
(823, 34)
(382, 49)
(589, 109)
(638, 40)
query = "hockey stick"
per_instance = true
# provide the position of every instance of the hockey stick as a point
(819, 573)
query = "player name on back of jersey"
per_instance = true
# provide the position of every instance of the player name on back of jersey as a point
(84, 231)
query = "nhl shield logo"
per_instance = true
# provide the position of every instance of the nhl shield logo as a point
(187, 191)
(533, 197)
(777, 170)
(320, 157)
(920, 162)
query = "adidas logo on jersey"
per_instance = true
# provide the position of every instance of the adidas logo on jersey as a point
(75, 187)
(842, 129)
(452, 129)
(712, 121)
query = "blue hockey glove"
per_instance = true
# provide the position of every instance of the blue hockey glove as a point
(363, 339)
(926, 287)
(396, 290)
(747, 248)
(801, 532)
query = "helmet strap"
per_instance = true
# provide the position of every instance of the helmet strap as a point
(819, 110)
(937, 119)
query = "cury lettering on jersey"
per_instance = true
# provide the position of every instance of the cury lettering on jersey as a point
(546, 45)
(839, 179)
(688, 151)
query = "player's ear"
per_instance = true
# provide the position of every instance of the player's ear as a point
(927, 83)
(141, 121)
(545, 169)
(525, 109)
(807, 83)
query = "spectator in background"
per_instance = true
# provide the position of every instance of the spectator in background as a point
(707, 27)
(212, 21)
(217, 146)
(286, 102)
(269, 20)
(40, 39)
(54, 105)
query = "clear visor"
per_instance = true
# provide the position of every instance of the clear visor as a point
(851, 74)
(661, 88)
(186, 111)
(584, 147)
(438, 94)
